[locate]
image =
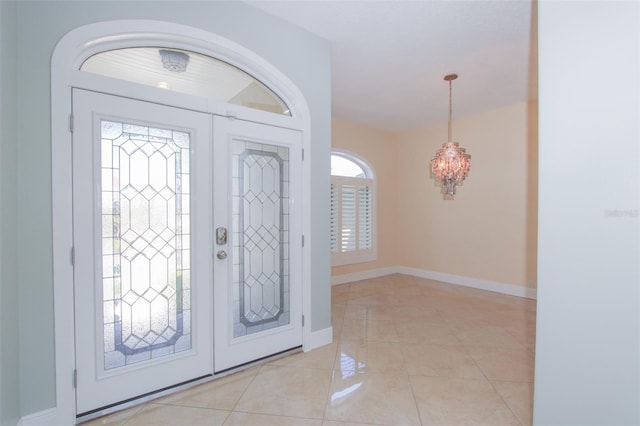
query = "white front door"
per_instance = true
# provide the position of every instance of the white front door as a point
(142, 274)
(155, 190)
(257, 268)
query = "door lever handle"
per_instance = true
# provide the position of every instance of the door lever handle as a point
(221, 236)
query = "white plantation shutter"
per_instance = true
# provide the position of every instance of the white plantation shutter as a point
(335, 212)
(349, 225)
(352, 221)
(364, 218)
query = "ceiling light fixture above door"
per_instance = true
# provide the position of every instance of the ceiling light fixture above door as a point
(174, 61)
(450, 166)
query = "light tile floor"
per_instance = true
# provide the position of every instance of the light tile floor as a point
(406, 351)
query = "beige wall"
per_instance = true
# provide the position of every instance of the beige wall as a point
(489, 231)
(483, 232)
(377, 147)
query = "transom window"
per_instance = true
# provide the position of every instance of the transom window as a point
(352, 210)
(187, 72)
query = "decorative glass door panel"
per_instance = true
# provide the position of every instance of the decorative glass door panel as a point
(258, 312)
(138, 287)
(260, 223)
(145, 250)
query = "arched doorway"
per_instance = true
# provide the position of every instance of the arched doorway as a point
(183, 213)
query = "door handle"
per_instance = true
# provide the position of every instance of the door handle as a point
(222, 255)
(221, 236)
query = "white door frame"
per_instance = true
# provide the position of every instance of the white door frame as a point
(70, 52)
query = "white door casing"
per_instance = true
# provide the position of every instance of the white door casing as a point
(70, 52)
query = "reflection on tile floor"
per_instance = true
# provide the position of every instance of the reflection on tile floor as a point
(406, 351)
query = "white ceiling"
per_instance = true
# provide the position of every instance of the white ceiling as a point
(389, 58)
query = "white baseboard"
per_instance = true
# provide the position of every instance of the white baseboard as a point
(510, 289)
(318, 338)
(46, 417)
(363, 275)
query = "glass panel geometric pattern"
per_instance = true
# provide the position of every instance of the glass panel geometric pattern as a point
(145, 242)
(260, 237)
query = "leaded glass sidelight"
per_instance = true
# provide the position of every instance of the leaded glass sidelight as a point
(145, 242)
(260, 225)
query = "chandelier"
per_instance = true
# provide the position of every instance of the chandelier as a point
(450, 165)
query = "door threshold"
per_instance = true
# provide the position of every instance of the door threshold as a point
(170, 390)
(258, 361)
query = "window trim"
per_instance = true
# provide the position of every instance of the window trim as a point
(365, 255)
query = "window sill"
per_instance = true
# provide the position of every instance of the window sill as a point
(349, 258)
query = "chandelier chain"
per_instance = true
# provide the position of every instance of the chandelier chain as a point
(450, 110)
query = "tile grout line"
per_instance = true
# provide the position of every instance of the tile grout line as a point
(413, 392)
(235, 405)
(493, 387)
(335, 360)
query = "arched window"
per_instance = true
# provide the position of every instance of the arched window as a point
(353, 230)
(187, 72)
